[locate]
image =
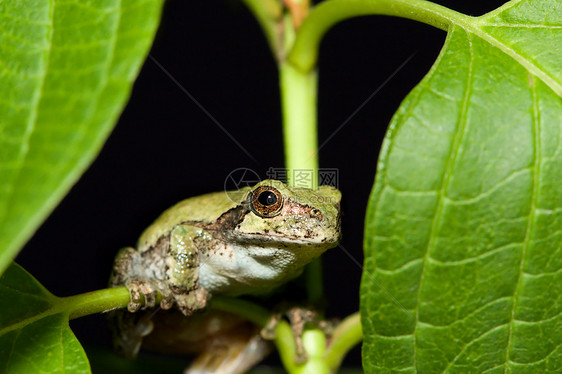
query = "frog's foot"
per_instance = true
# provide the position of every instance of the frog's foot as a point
(130, 271)
(192, 300)
(140, 289)
(298, 318)
(268, 331)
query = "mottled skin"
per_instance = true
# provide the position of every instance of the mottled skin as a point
(220, 243)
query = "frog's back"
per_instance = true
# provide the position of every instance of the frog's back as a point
(202, 209)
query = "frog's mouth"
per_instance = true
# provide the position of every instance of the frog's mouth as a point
(282, 240)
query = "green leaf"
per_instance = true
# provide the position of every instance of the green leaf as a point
(463, 240)
(66, 71)
(34, 332)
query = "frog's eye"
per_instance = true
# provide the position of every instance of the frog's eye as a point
(266, 201)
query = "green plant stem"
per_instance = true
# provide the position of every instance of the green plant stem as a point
(298, 102)
(285, 343)
(314, 342)
(298, 97)
(346, 336)
(268, 13)
(320, 360)
(118, 297)
(304, 53)
(94, 302)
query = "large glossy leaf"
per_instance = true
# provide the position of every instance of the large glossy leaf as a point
(66, 70)
(34, 332)
(463, 239)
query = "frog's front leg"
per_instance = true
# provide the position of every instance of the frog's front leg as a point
(142, 274)
(171, 267)
(182, 268)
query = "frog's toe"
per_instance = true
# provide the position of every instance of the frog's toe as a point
(150, 299)
(167, 302)
(268, 332)
(142, 293)
(193, 300)
(134, 300)
(184, 305)
(149, 291)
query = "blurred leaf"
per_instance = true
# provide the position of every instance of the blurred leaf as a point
(463, 233)
(105, 360)
(34, 333)
(66, 71)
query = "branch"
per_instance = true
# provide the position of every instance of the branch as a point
(304, 53)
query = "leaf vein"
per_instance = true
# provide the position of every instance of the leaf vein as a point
(538, 275)
(475, 311)
(529, 65)
(506, 180)
(540, 360)
(532, 211)
(398, 269)
(553, 317)
(514, 25)
(62, 366)
(12, 349)
(469, 260)
(468, 344)
(457, 139)
(31, 123)
(44, 297)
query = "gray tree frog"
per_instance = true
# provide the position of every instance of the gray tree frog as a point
(248, 241)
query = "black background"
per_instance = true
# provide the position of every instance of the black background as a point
(165, 148)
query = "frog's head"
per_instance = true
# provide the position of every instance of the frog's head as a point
(299, 219)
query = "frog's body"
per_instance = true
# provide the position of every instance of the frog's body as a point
(242, 242)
